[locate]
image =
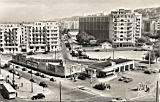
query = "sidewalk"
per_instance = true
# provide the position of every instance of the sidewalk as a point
(24, 91)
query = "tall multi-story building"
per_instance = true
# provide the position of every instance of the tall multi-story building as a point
(126, 27)
(97, 26)
(157, 25)
(44, 36)
(25, 37)
(72, 24)
(10, 38)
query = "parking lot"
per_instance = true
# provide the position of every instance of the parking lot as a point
(127, 90)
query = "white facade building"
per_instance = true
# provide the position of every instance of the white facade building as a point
(126, 27)
(106, 45)
(38, 37)
(10, 38)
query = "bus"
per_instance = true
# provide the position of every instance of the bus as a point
(8, 91)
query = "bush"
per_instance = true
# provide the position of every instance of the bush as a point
(100, 86)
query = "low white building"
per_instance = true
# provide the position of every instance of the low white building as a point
(147, 47)
(73, 34)
(111, 67)
(106, 45)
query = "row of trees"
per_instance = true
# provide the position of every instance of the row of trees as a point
(84, 38)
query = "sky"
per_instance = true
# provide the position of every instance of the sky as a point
(35, 10)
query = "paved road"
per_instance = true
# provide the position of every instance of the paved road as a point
(68, 92)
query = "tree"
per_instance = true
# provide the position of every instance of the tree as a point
(65, 31)
(152, 56)
(84, 38)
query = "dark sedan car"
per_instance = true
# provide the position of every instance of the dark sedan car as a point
(43, 84)
(38, 96)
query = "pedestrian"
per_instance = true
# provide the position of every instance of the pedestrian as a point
(16, 94)
(148, 89)
(21, 84)
(109, 86)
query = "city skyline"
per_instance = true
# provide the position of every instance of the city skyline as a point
(35, 10)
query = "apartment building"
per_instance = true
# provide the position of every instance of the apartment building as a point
(10, 38)
(126, 27)
(71, 24)
(157, 25)
(24, 37)
(44, 37)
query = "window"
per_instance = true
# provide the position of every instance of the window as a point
(122, 20)
(31, 47)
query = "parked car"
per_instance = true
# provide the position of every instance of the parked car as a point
(82, 77)
(147, 72)
(30, 71)
(141, 67)
(30, 53)
(100, 86)
(17, 66)
(32, 80)
(10, 70)
(122, 78)
(46, 52)
(97, 50)
(127, 80)
(24, 69)
(52, 79)
(38, 96)
(43, 84)
(37, 74)
(13, 71)
(119, 99)
(43, 76)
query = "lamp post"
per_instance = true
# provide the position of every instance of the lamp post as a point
(13, 81)
(60, 92)
(150, 59)
(55, 52)
(0, 62)
(157, 92)
(31, 82)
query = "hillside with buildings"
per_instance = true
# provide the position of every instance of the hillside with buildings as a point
(149, 12)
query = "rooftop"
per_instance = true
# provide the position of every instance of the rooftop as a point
(108, 63)
(101, 65)
(120, 60)
(9, 87)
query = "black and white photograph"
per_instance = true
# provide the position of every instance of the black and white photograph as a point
(79, 50)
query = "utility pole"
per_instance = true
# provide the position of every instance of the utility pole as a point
(31, 82)
(157, 93)
(91, 78)
(113, 53)
(0, 63)
(55, 52)
(60, 93)
(13, 76)
(150, 59)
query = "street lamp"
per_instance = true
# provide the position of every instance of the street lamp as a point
(13, 77)
(31, 82)
(55, 52)
(0, 63)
